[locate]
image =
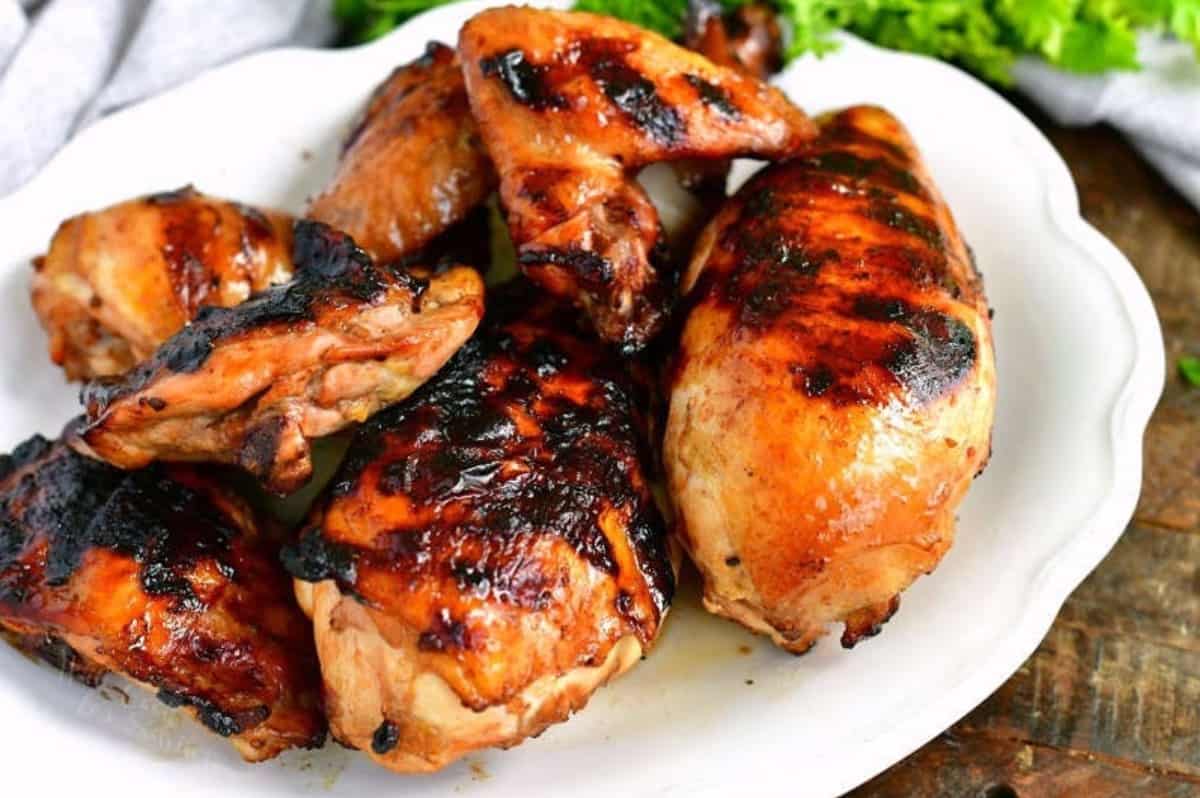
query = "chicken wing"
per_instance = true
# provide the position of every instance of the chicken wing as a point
(746, 38)
(490, 553)
(569, 104)
(414, 165)
(163, 576)
(252, 384)
(834, 390)
(117, 283)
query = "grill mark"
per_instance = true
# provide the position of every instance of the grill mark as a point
(877, 171)
(630, 90)
(525, 81)
(771, 271)
(714, 97)
(588, 267)
(329, 267)
(443, 450)
(900, 218)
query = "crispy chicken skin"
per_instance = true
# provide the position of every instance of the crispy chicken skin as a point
(252, 384)
(834, 390)
(118, 282)
(490, 553)
(161, 575)
(570, 105)
(414, 165)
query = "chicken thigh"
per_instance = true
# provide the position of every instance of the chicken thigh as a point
(834, 388)
(252, 384)
(163, 576)
(570, 105)
(117, 283)
(490, 553)
(414, 165)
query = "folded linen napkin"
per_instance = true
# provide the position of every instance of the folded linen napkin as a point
(65, 63)
(1158, 109)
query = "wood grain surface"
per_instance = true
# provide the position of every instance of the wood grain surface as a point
(1109, 705)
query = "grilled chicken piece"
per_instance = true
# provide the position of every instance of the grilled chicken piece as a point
(569, 106)
(414, 165)
(252, 384)
(835, 387)
(747, 39)
(490, 553)
(163, 576)
(117, 283)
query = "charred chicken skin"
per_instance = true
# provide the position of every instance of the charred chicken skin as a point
(117, 283)
(252, 384)
(490, 553)
(835, 387)
(569, 106)
(414, 165)
(163, 576)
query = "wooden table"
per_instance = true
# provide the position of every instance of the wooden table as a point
(1109, 705)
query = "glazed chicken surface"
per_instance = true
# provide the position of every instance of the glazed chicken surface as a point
(834, 388)
(569, 106)
(490, 553)
(252, 384)
(118, 282)
(163, 576)
(414, 165)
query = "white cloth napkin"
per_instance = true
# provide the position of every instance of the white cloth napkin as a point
(65, 63)
(1158, 109)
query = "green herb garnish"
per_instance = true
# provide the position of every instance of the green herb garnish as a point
(1189, 369)
(985, 36)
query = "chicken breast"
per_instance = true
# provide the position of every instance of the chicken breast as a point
(414, 165)
(162, 576)
(834, 389)
(490, 553)
(250, 385)
(570, 105)
(118, 282)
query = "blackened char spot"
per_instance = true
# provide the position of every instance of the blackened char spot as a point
(217, 720)
(630, 91)
(589, 267)
(329, 268)
(938, 352)
(525, 81)
(261, 446)
(27, 452)
(313, 558)
(385, 737)
(714, 97)
(75, 504)
(900, 218)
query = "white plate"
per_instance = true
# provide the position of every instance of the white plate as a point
(1080, 363)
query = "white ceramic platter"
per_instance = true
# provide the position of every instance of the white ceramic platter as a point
(1080, 364)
